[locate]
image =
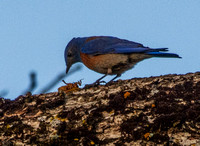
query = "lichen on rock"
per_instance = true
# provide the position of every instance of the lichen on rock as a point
(141, 111)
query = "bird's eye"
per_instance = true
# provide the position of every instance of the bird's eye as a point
(69, 54)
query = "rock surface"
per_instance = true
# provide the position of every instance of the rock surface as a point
(161, 110)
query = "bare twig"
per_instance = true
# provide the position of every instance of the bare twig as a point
(59, 78)
(33, 82)
(3, 93)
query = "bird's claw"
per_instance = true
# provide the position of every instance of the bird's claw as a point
(95, 84)
(102, 82)
(109, 83)
(90, 85)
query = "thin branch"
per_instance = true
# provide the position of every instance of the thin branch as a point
(33, 82)
(59, 78)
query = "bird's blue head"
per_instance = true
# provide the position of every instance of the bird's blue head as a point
(72, 52)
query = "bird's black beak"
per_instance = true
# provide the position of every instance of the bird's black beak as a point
(67, 69)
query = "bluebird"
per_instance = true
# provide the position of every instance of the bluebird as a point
(109, 55)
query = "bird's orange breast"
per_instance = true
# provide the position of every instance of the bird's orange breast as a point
(98, 63)
(103, 63)
(89, 61)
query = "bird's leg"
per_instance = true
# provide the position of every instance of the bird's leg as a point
(97, 82)
(118, 75)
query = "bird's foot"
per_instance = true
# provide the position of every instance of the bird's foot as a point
(109, 83)
(112, 81)
(95, 84)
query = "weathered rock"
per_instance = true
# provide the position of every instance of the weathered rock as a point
(143, 111)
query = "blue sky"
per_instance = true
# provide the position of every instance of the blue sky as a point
(34, 33)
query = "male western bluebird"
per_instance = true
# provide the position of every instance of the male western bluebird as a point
(109, 55)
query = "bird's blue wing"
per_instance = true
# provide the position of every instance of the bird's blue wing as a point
(127, 50)
(112, 45)
(108, 45)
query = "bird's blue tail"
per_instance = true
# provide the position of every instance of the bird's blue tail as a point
(156, 53)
